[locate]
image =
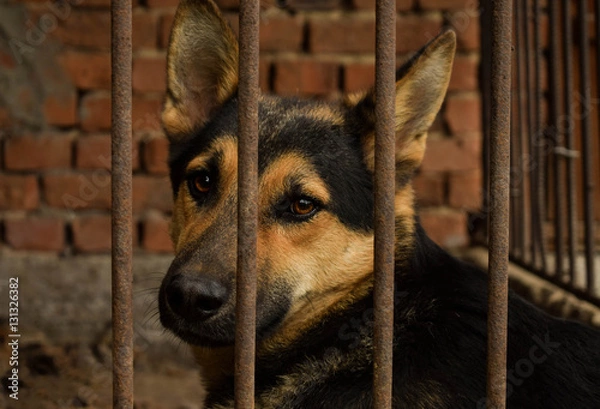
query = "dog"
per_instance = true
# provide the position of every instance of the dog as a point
(315, 249)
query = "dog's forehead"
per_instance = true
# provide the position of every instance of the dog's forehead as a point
(314, 129)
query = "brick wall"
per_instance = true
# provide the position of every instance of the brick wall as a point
(55, 110)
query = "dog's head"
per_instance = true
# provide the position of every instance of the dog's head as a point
(315, 196)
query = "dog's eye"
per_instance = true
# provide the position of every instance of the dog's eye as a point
(200, 183)
(303, 207)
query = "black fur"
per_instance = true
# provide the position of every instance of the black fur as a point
(439, 348)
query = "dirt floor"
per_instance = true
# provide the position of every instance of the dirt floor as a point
(76, 375)
(64, 350)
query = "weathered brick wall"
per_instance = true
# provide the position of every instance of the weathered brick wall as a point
(55, 110)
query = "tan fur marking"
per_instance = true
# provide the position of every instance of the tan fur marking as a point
(273, 182)
(188, 220)
(326, 263)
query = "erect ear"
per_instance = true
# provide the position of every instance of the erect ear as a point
(421, 85)
(202, 67)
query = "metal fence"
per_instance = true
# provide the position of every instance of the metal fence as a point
(501, 21)
(554, 161)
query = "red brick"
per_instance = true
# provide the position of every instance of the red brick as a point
(429, 188)
(228, 4)
(165, 23)
(92, 233)
(145, 29)
(264, 75)
(145, 113)
(342, 34)
(358, 76)
(306, 77)
(152, 193)
(446, 4)
(452, 154)
(162, 3)
(96, 111)
(87, 70)
(312, 4)
(280, 31)
(463, 113)
(43, 152)
(74, 191)
(7, 60)
(60, 108)
(85, 28)
(156, 153)
(150, 73)
(401, 5)
(41, 234)
(5, 119)
(89, 28)
(446, 227)
(414, 31)
(156, 235)
(465, 73)
(93, 152)
(466, 190)
(18, 192)
(467, 32)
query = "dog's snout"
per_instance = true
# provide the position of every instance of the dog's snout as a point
(195, 298)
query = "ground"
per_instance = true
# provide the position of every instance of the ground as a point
(65, 343)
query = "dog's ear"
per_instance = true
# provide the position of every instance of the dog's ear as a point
(421, 85)
(202, 67)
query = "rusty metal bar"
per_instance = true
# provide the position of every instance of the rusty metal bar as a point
(499, 188)
(586, 143)
(245, 311)
(559, 187)
(122, 277)
(569, 139)
(539, 138)
(384, 187)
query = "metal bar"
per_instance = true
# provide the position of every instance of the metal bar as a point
(538, 138)
(384, 188)
(569, 139)
(122, 277)
(559, 187)
(586, 145)
(499, 187)
(245, 328)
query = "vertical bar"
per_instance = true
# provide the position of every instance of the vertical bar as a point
(122, 278)
(570, 143)
(586, 145)
(538, 138)
(499, 203)
(384, 187)
(245, 328)
(559, 188)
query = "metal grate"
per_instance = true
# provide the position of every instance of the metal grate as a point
(500, 21)
(554, 164)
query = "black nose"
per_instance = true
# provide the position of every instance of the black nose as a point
(195, 298)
